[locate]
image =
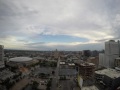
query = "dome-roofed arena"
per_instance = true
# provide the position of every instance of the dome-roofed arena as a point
(21, 61)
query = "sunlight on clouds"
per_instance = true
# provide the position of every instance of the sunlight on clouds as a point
(24, 22)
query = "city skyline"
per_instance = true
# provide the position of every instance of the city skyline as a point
(58, 24)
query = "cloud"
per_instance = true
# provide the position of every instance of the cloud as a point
(24, 23)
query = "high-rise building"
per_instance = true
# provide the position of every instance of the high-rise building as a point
(111, 53)
(94, 53)
(56, 54)
(87, 53)
(1, 56)
(1, 52)
(102, 60)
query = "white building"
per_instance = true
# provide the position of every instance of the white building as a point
(102, 59)
(111, 53)
(1, 56)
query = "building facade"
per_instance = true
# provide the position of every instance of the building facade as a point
(111, 53)
(1, 52)
(110, 78)
(1, 56)
(86, 70)
(102, 59)
(94, 60)
(117, 62)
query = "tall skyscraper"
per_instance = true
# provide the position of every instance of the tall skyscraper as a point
(1, 56)
(1, 52)
(111, 53)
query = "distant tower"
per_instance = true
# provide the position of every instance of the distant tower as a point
(56, 54)
(111, 53)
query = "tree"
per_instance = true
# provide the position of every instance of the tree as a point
(53, 72)
(35, 85)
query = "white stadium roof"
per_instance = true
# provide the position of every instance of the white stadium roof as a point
(20, 59)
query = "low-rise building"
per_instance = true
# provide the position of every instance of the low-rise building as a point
(117, 62)
(2, 64)
(89, 88)
(108, 77)
(67, 73)
(6, 74)
(86, 70)
(94, 60)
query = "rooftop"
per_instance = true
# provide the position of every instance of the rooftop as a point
(20, 59)
(90, 88)
(62, 62)
(43, 70)
(6, 74)
(71, 64)
(67, 72)
(112, 73)
(87, 64)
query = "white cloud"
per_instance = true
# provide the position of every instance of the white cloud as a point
(93, 20)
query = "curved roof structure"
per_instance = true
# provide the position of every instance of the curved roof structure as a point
(20, 59)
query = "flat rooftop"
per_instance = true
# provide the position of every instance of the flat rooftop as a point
(87, 64)
(43, 70)
(89, 88)
(67, 72)
(112, 73)
(83, 63)
(62, 62)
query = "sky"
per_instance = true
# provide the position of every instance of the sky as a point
(58, 24)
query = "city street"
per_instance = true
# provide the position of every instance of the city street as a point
(67, 85)
(55, 77)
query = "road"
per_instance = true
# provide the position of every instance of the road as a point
(56, 77)
(65, 85)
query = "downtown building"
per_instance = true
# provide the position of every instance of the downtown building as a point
(112, 51)
(2, 56)
(85, 73)
(102, 62)
(109, 78)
